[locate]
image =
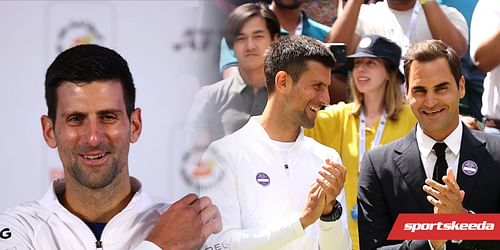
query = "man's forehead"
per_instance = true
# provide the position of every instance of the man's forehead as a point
(93, 85)
(89, 94)
(253, 25)
(430, 72)
(313, 71)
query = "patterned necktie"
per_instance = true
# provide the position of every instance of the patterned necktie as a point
(441, 165)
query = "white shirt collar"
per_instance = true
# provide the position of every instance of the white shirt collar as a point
(453, 141)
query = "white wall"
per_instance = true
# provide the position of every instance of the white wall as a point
(145, 34)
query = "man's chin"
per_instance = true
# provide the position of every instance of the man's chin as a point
(289, 6)
(95, 184)
(95, 178)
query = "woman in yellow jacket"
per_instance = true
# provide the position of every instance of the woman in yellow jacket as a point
(377, 116)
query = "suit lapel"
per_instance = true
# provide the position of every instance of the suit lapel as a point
(472, 149)
(408, 161)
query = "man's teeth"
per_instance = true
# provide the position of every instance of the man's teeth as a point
(432, 112)
(315, 109)
(94, 157)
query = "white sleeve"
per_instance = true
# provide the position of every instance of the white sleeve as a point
(484, 23)
(335, 235)
(458, 20)
(225, 196)
(360, 26)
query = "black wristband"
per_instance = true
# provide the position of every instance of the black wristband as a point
(334, 214)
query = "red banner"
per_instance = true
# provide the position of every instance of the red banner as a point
(446, 227)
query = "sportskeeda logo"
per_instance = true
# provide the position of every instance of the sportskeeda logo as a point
(449, 226)
(446, 226)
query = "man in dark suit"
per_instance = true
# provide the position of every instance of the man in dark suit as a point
(413, 175)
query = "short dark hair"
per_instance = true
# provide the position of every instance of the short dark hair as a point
(243, 13)
(290, 54)
(430, 50)
(85, 64)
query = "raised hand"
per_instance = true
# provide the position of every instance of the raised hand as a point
(186, 224)
(314, 206)
(331, 182)
(445, 198)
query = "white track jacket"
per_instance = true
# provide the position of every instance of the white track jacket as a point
(46, 224)
(260, 194)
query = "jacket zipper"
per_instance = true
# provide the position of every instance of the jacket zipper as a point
(98, 244)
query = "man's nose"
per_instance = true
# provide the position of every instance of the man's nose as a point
(430, 99)
(324, 97)
(93, 133)
(250, 44)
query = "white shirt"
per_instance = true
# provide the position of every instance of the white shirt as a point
(429, 157)
(260, 200)
(452, 152)
(381, 20)
(485, 23)
(46, 224)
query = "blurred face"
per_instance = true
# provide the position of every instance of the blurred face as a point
(251, 43)
(434, 97)
(308, 94)
(370, 75)
(401, 4)
(92, 132)
(288, 4)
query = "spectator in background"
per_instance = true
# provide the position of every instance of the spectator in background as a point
(471, 103)
(485, 50)
(91, 120)
(294, 20)
(326, 11)
(377, 116)
(213, 14)
(221, 108)
(403, 21)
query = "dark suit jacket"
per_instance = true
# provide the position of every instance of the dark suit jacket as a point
(391, 180)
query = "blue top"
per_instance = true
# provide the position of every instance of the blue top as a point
(96, 228)
(310, 28)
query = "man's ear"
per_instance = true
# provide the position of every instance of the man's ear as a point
(48, 131)
(461, 87)
(282, 81)
(135, 125)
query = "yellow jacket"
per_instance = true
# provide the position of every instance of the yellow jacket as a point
(337, 128)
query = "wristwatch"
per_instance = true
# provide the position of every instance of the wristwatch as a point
(335, 214)
(422, 2)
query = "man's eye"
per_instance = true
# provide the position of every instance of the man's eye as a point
(74, 119)
(108, 118)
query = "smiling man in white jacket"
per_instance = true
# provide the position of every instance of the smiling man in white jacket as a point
(279, 189)
(92, 120)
